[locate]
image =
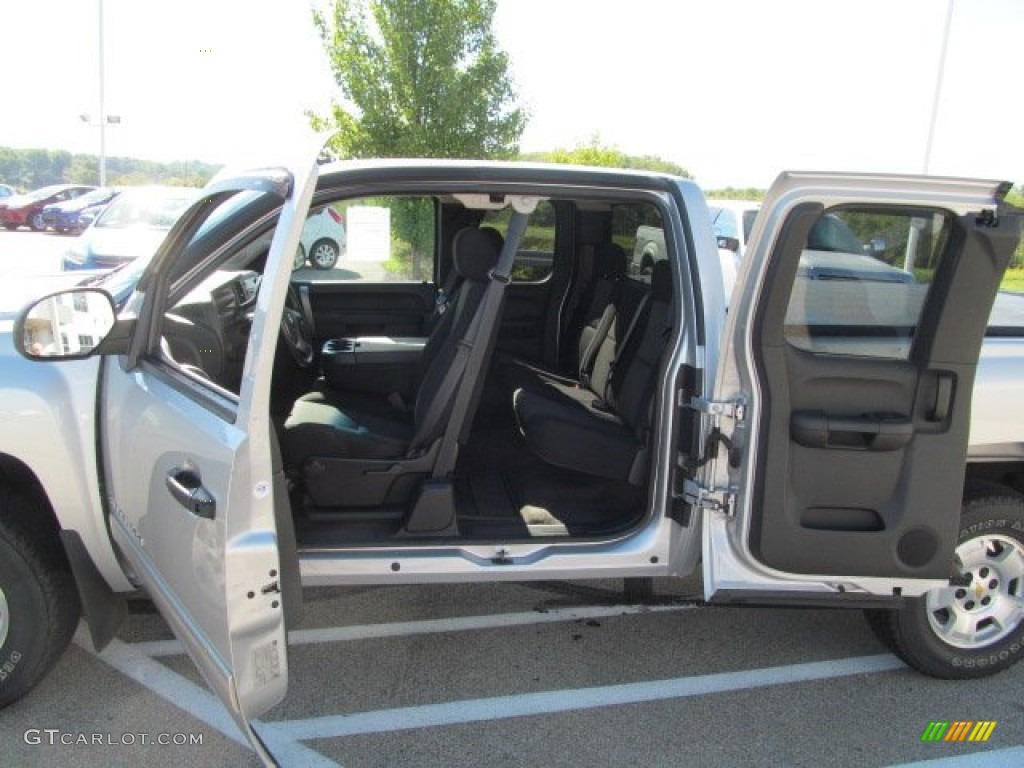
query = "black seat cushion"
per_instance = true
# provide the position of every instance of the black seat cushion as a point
(365, 428)
(568, 428)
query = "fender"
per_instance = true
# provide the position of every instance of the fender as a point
(48, 423)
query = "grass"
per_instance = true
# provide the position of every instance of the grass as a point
(1013, 280)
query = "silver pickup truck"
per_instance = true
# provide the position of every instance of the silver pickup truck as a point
(217, 430)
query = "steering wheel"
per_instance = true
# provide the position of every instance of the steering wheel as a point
(296, 330)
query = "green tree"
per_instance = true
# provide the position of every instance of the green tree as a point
(737, 193)
(596, 154)
(419, 78)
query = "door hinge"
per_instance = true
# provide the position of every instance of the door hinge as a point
(733, 409)
(713, 499)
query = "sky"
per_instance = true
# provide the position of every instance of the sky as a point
(735, 91)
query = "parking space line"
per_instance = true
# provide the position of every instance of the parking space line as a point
(158, 648)
(200, 704)
(996, 758)
(573, 700)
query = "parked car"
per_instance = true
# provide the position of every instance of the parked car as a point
(27, 209)
(323, 239)
(133, 225)
(7, 191)
(64, 217)
(177, 461)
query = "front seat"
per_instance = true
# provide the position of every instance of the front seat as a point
(357, 451)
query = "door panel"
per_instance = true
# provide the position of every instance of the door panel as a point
(211, 575)
(853, 349)
(349, 309)
(189, 468)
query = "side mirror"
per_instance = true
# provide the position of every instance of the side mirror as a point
(729, 244)
(66, 325)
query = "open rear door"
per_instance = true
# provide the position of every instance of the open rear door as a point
(844, 386)
(190, 468)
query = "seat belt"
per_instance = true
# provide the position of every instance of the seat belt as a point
(484, 326)
(580, 286)
(600, 334)
(633, 323)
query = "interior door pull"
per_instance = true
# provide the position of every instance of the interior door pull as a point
(943, 397)
(186, 486)
(869, 432)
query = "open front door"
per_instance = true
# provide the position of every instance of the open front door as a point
(189, 465)
(845, 383)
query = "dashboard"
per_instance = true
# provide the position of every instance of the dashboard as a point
(209, 328)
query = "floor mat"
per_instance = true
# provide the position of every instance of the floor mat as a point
(501, 478)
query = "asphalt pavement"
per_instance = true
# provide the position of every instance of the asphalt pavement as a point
(546, 674)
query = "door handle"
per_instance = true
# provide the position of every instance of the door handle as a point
(872, 432)
(186, 486)
(943, 397)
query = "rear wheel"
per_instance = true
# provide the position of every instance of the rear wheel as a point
(39, 606)
(976, 627)
(324, 254)
(36, 222)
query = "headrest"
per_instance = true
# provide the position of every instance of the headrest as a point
(610, 261)
(475, 253)
(661, 282)
(496, 237)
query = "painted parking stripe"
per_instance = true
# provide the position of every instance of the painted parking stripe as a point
(573, 700)
(158, 648)
(196, 701)
(996, 758)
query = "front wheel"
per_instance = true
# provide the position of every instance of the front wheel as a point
(975, 628)
(39, 606)
(36, 222)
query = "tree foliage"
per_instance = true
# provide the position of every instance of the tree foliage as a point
(596, 154)
(419, 78)
(737, 193)
(28, 169)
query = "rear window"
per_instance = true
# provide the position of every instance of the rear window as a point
(536, 256)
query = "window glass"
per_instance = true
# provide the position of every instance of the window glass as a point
(723, 221)
(863, 279)
(638, 229)
(535, 258)
(378, 240)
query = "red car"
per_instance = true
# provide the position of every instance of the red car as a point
(27, 209)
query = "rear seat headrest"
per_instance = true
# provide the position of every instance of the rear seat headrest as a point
(475, 253)
(610, 261)
(495, 236)
(661, 282)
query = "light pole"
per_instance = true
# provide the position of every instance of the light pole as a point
(103, 117)
(938, 87)
(102, 125)
(917, 225)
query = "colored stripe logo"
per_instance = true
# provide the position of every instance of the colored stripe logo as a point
(958, 730)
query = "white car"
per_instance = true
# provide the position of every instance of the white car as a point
(323, 240)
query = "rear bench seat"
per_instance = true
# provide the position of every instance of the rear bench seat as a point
(601, 427)
(598, 322)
